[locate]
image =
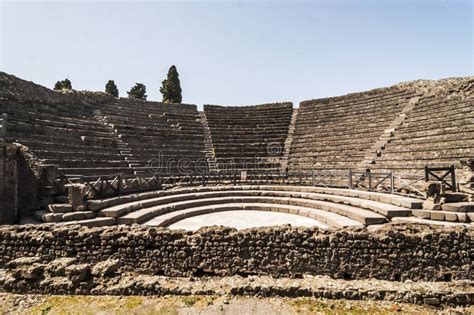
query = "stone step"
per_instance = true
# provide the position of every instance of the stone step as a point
(327, 219)
(405, 202)
(415, 220)
(442, 215)
(59, 208)
(96, 222)
(458, 207)
(158, 206)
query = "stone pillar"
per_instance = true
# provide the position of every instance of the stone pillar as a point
(76, 196)
(467, 178)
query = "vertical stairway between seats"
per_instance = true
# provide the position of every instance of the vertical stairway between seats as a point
(208, 146)
(124, 150)
(288, 142)
(378, 147)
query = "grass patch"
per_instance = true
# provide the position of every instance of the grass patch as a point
(189, 301)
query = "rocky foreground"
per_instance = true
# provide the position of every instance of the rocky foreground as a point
(103, 279)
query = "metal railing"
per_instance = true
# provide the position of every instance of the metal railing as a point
(119, 184)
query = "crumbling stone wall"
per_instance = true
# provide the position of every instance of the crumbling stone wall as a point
(14, 90)
(21, 183)
(395, 252)
(2, 182)
(9, 201)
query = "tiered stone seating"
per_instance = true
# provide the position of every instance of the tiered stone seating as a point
(335, 133)
(168, 137)
(67, 136)
(249, 137)
(333, 207)
(439, 131)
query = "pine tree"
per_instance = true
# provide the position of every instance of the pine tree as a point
(67, 84)
(111, 88)
(63, 85)
(138, 92)
(58, 86)
(171, 87)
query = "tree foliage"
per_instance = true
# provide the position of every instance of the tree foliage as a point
(111, 88)
(63, 85)
(171, 87)
(138, 91)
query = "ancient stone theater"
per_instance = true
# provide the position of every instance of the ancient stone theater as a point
(118, 196)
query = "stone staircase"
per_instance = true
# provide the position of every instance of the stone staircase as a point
(288, 142)
(377, 148)
(125, 150)
(208, 146)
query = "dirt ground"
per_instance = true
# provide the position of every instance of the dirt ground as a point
(54, 304)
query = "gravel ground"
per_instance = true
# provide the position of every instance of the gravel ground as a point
(43, 304)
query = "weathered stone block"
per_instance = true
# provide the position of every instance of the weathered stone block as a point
(450, 216)
(74, 216)
(437, 215)
(423, 214)
(53, 217)
(60, 208)
(459, 207)
(76, 194)
(77, 273)
(106, 268)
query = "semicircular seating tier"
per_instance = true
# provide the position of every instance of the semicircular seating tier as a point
(121, 136)
(158, 138)
(333, 207)
(66, 135)
(335, 133)
(438, 131)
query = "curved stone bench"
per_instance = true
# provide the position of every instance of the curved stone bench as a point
(133, 200)
(360, 215)
(327, 219)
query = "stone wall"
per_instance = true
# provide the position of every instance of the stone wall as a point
(2, 179)
(394, 252)
(9, 201)
(14, 90)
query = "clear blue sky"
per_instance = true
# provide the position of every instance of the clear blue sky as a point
(238, 52)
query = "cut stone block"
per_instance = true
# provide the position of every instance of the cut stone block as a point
(450, 216)
(459, 207)
(462, 217)
(455, 197)
(74, 216)
(423, 214)
(60, 208)
(437, 215)
(53, 217)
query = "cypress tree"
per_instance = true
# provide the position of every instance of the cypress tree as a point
(138, 91)
(111, 88)
(171, 87)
